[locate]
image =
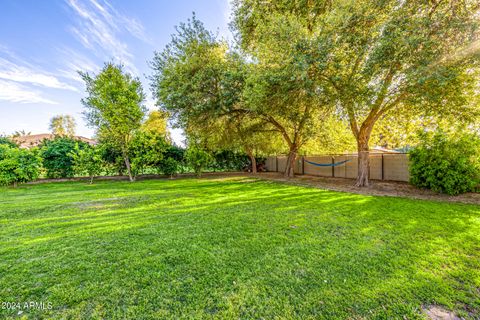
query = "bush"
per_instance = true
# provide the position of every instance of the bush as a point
(7, 141)
(169, 166)
(447, 164)
(147, 150)
(226, 160)
(198, 159)
(112, 158)
(18, 165)
(88, 161)
(57, 156)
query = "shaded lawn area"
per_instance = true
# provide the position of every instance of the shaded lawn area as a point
(233, 248)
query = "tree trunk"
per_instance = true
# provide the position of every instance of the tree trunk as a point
(129, 169)
(91, 179)
(290, 167)
(363, 162)
(253, 161)
(15, 184)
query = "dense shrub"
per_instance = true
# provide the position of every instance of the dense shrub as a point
(198, 159)
(112, 157)
(447, 164)
(175, 152)
(57, 156)
(18, 165)
(169, 166)
(7, 141)
(88, 162)
(147, 151)
(227, 160)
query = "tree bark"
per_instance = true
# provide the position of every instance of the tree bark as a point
(363, 160)
(91, 179)
(290, 167)
(15, 184)
(129, 169)
(253, 161)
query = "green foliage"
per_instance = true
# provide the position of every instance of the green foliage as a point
(57, 156)
(227, 160)
(157, 121)
(147, 150)
(18, 165)
(8, 142)
(175, 152)
(20, 133)
(112, 157)
(198, 159)
(63, 125)
(188, 74)
(114, 107)
(366, 57)
(218, 95)
(448, 164)
(169, 166)
(88, 161)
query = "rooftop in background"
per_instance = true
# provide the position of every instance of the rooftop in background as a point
(35, 140)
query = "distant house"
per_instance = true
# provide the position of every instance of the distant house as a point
(377, 149)
(34, 140)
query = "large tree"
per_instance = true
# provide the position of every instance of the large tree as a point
(114, 107)
(157, 121)
(376, 57)
(199, 78)
(201, 83)
(279, 92)
(63, 125)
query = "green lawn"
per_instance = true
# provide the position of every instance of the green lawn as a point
(233, 248)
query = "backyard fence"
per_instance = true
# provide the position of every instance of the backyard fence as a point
(383, 166)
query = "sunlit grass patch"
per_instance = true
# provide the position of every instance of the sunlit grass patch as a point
(233, 248)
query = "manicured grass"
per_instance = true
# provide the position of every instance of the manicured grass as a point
(233, 248)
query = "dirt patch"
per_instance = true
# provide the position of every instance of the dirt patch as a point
(96, 204)
(377, 188)
(439, 313)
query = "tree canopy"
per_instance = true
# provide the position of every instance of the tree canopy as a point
(114, 107)
(373, 57)
(63, 125)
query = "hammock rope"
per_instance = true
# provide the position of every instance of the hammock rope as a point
(327, 164)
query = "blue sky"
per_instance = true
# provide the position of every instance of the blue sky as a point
(44, 43)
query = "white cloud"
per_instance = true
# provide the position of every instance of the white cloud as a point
(15, 92)
(98, 27)
(25, 73)
(74, 62)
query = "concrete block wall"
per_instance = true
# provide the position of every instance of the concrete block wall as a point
(271, 164)
(313, 170)
(281, 164)
(396, 167)
(393, 167)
